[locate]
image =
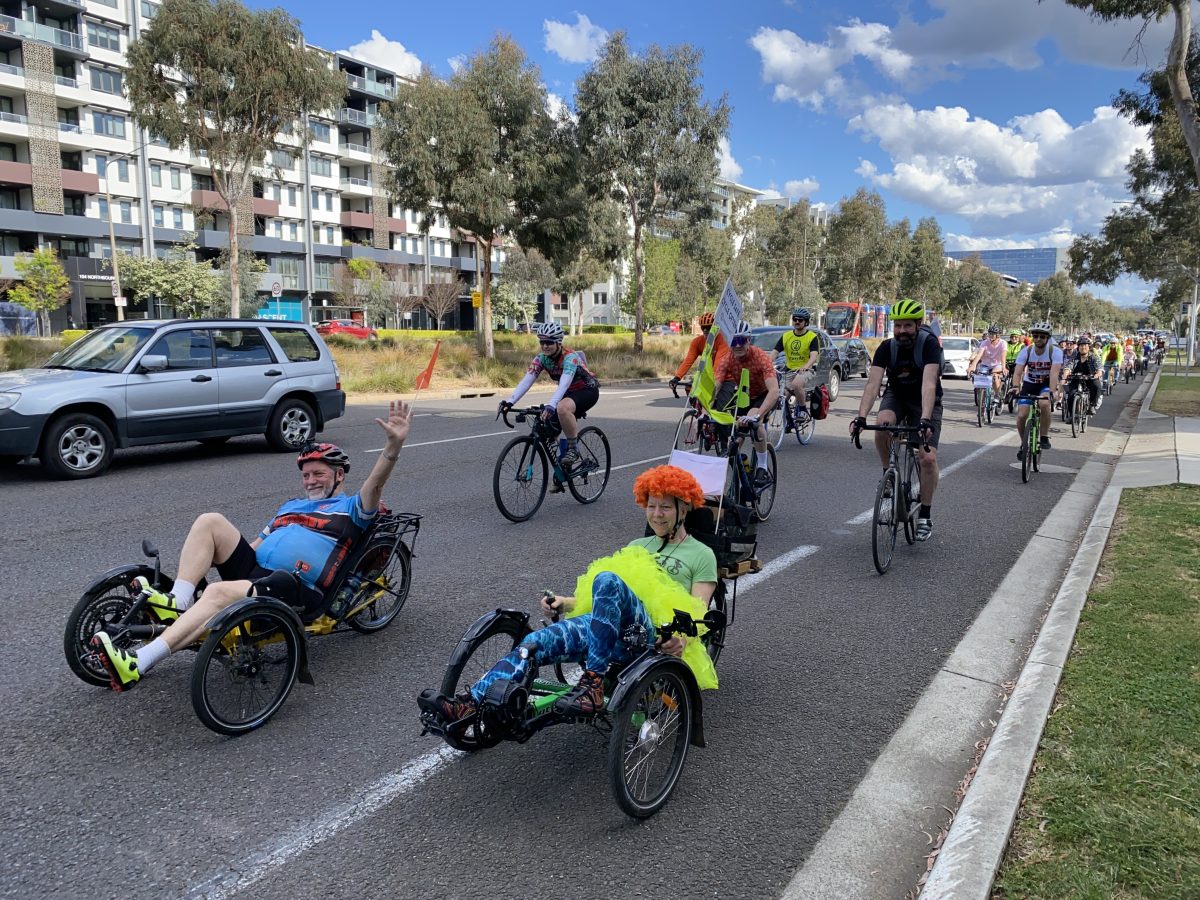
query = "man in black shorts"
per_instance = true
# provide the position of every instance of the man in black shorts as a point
(912, 360)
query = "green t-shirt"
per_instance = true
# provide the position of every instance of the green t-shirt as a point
(687, 562)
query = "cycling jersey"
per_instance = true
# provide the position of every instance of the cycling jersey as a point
(905, 379)
(1112, 354)
(570, 369)
(313, 537)
(992, 355)
(696, 347)
(1011, 351)
(762, 370)
(797, 348)
(1037, 368)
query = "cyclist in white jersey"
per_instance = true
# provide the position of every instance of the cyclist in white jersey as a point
(1038, 370)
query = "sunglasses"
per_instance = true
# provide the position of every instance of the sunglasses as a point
(739, 342)
(548, 343)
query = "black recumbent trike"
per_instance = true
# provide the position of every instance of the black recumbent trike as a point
(256, 648)
(653, 710)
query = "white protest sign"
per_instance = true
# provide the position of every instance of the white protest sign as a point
(729, 311)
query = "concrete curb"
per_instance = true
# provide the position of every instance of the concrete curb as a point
(374, 399)
(856, 855)
(970, 856)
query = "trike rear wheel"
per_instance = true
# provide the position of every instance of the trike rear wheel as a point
(471, 663)
(649, 742)
(245, 670)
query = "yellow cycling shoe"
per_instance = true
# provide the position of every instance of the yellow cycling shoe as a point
(122, 666)
(162, 606)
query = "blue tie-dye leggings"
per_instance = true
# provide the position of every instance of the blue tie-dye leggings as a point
(593, 639)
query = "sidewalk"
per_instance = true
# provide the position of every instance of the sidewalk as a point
(1161, 450)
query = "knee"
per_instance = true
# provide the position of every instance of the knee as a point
(928, 461)
(212, 522)
(222, 593)
(607, 583)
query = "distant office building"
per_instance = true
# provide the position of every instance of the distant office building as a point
(1029, 265)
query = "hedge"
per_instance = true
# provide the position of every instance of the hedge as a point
(414, 333)
(71, 335)
(605, 329)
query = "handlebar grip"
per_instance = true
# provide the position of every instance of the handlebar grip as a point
(857, 438)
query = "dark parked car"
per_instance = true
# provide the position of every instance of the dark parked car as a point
(163, 381)
(855, 354)
(830, 370)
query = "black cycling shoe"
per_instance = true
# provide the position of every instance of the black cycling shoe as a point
(450, 712)
(1045, 443)
(1020, 453)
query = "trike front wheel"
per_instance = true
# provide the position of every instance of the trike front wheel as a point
(384, 576)
(469, 664)
(245, 670)
(101, 610)
(649, 742)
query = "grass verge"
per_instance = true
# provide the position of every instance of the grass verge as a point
(1177, 395)
(1112, 809)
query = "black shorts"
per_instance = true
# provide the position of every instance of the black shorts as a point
(910, 413)
(585, 398)
(1033, 390)
(242, 565)
(755, 403)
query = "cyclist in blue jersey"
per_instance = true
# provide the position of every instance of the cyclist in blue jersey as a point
(308, 537)
(578, 389)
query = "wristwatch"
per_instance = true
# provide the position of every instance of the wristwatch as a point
(390, 458)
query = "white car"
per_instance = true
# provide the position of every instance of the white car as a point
(957, 352)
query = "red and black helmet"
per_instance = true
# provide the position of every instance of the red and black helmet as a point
(330, 454)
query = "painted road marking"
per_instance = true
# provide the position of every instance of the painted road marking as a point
(469, 437)
(640, 462)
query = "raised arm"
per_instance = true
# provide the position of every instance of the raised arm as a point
(396, 428)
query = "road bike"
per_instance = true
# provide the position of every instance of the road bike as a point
(1076, 405)
(523, 469)
(898, 496)
(255, 649)
(1031, 457)
(788, 416)
(987, 400)
(697, 432)
(1006, 393)
(1108, 383)
(1127, 369)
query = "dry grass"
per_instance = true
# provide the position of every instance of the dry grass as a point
(25, 352)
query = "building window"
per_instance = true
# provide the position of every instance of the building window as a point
(177, 217)
(149, 10)
(101, 164)
(102, 208)
(316, 200)
(322, 166)
(103, 36)
(8, 153)
(73, 204)
(329, 234)
(291, 195)
(320, 131)
(156, 174)
(112, 4)
(175, 177)
(126, 212)
(282, 159)
(106, 80)
(317, 234)
(600, 299)
(122, 170)
(329, 203)
(294, 230)
(108, 124)
(158, 216)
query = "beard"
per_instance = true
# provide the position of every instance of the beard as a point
(906, 340)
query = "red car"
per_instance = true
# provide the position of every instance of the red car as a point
(348, 327)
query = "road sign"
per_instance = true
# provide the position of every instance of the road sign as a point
(477, 299)
(276, 289)
(120, 301)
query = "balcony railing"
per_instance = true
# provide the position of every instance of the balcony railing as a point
(348, 147)
(70, 127)
(64, 81)
(321, 283)
(56, 36)
(356, 117)
(11, 70)
(15, 118)
(357, 182)
(371, 87)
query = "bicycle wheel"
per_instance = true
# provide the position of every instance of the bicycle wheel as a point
(764, 497)
(100, 610)
(883, 528)
(979, 399)
(244, 671)
(774, 423)
(992, 406)
(519, 479)
(383, 578)
(649, 743)
(912, 497)
(470, 664)
(714, 638)
(590, 476)
(806, 427)
(1074, 411)
(688, 434)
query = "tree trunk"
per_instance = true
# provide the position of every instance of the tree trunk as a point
(1181, 91)
(235, 281)
(639, 288)
(485, 309)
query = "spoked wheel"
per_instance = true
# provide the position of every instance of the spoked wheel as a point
(992, 407)
(912, 483)
(774, 423)
(885, 522)
(590, 476)
(688, 435)
(101, 610)
(979, 401)
(469, 664)
(764, 498)
(245, 670)
(380, 585)
(806, 426)
(649, 743)
(714, 638)
(519, 479)
(1027, 457)
(1075, 410)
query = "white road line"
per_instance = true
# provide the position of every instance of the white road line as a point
(640, 462)
(865, 516)
(469, 437)
(775, 566)
(636, 393)
(307, 836)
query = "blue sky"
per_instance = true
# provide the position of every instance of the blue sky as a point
(993, 116)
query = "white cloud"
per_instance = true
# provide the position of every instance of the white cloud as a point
(556, 106)
(802, 187)
(387, 54)
(729, 168)
(457, 62)
(578, 43)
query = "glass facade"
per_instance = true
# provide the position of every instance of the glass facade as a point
(1031, 264)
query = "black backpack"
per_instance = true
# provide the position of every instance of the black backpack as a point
(925, 334)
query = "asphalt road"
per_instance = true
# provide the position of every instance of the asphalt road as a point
(339, 795)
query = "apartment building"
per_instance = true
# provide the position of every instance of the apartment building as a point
(71, 160)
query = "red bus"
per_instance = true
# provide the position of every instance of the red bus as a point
(853, 318)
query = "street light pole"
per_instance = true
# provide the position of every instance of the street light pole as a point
(112, 243)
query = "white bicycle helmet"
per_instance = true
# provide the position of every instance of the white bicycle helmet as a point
(550, 331)
(1043, 327)
(742, 328)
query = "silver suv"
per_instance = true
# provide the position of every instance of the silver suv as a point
(155, 382)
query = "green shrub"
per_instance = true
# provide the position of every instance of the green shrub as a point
(409, 334)
(605, 329)
(71, 335)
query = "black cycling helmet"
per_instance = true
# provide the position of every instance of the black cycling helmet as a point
(802, 312)
(330, 454)
(994, 329)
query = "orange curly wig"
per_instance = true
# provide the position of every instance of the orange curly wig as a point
(668, 481)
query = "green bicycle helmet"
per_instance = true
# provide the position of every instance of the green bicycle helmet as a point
(908, 309)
